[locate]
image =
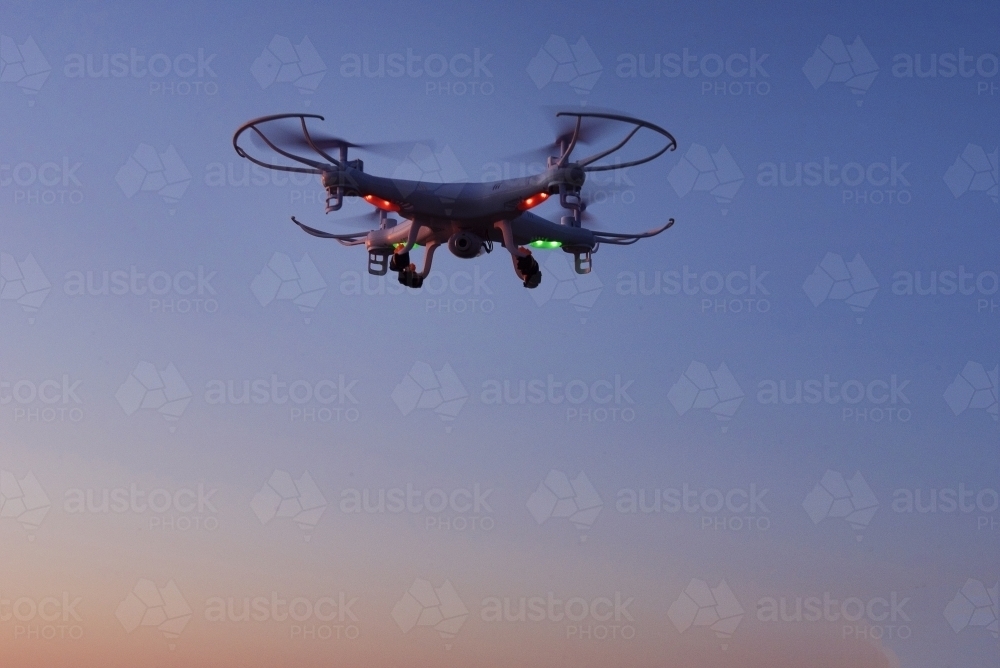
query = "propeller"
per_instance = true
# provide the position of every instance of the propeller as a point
(288, 135)
(591, 131)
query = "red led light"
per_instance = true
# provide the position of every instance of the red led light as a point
(383, 204)
(532, 201)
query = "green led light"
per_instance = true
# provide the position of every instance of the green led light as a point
(543, 243)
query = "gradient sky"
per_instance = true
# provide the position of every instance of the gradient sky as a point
(69, 201)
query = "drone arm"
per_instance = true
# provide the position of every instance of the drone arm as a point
(352, 239)
(508, 238)
(618, 239)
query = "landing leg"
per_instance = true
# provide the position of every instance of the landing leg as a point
(408, 275)
(525, 266)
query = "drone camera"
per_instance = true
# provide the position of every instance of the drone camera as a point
(465, 245)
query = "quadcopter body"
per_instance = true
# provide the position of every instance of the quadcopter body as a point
(468, 218)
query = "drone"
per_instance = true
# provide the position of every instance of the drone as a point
(467, 217)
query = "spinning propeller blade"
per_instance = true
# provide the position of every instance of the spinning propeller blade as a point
(287, 134)
(591, 130)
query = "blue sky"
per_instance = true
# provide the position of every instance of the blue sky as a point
(75, 197)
